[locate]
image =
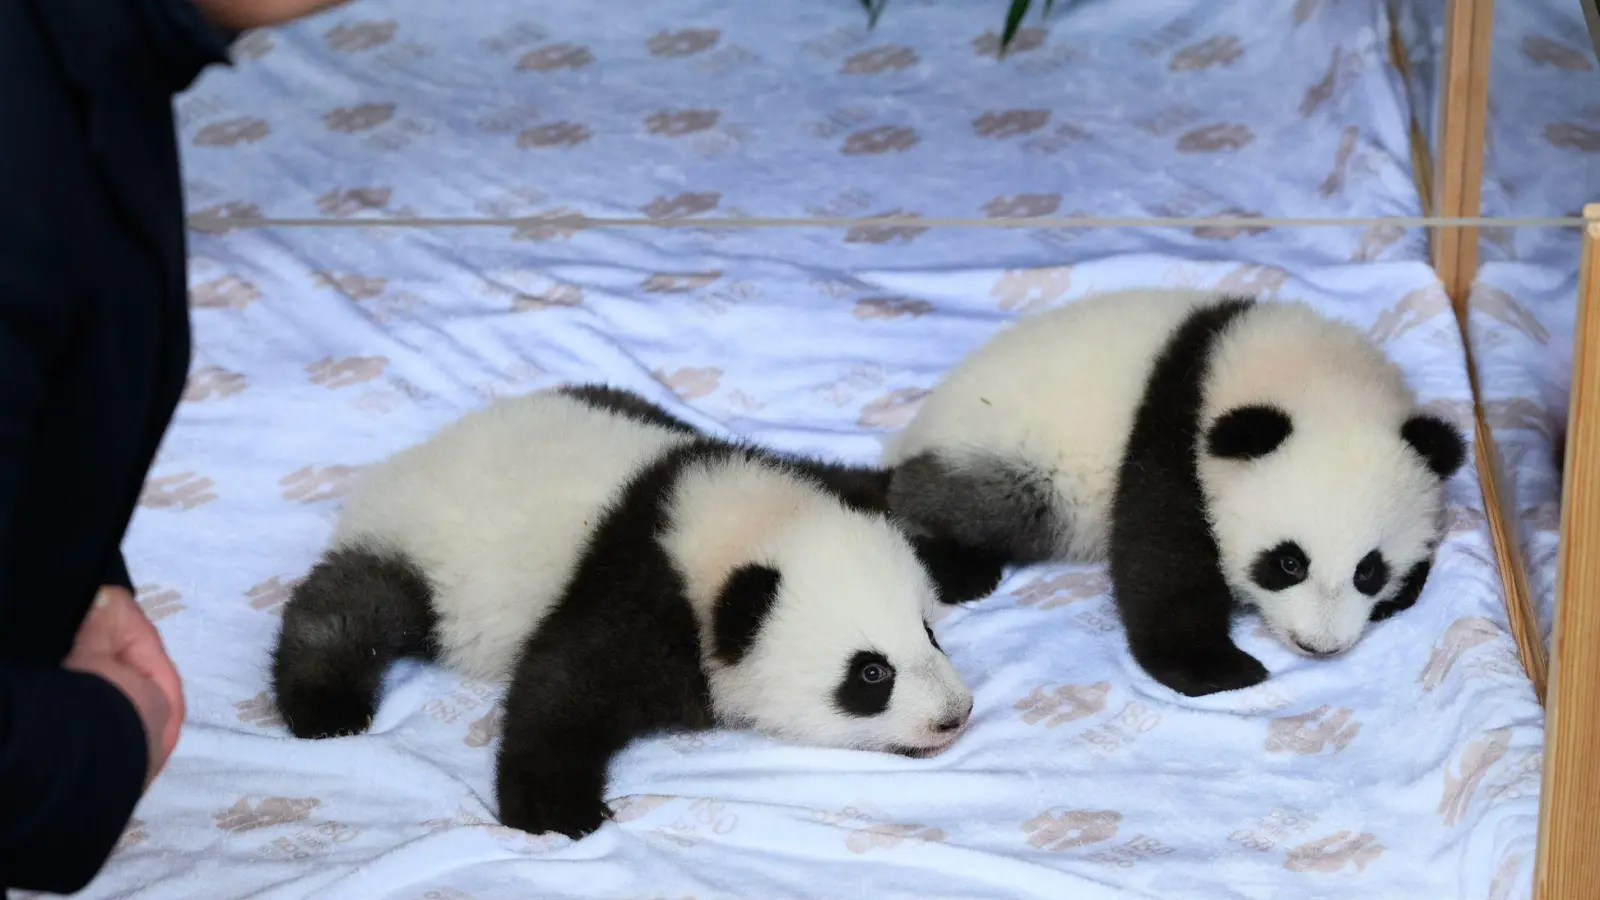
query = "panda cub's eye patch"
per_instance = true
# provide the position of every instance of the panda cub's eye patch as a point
(867, 685)
(1281, 567)
(1372, 573)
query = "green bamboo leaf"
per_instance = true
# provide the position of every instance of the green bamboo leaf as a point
(1019, 8)
(874, 9)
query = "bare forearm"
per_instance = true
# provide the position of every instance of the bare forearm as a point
(240, 15)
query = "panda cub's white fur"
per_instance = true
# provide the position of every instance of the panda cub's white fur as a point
(628, 575)
(1343, 483)
(1214, 450)
(844, 573)
(495, 508)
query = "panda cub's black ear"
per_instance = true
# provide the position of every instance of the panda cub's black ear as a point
(1440, 445)
(1248, 432)
(742, 606)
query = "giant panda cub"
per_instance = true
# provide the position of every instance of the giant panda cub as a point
(629, 576)
(1216, 450)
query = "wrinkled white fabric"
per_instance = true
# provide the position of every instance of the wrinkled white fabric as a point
(1406, 769)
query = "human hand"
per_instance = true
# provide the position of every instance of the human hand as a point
(118, 642)
(247, 14)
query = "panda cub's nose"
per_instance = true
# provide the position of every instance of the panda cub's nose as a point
(1320, 654)
(951, 723)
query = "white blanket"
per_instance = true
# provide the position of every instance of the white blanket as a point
(1542, 159)
(1406, 769)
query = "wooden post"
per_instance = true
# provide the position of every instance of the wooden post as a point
(1568, 863)
(1520, 612)
(1458, 174)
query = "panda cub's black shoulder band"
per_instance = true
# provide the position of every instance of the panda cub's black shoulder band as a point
(625, 403)
(1166, 573)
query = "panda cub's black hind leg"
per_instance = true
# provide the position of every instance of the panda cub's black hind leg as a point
(354, 614)
(971, 518)
(961, 573)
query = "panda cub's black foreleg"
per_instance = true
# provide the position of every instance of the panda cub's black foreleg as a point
(560, 731)
(1176, 607)
(1182, 641)
(1166, 568)
(353, 615)
(617, 660)
(1166, 577)
(551, 768)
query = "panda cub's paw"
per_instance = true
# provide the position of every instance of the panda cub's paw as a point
(541, 809)
(1203, 671)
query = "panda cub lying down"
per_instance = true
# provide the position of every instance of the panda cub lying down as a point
(1216, 451)
(630, 576)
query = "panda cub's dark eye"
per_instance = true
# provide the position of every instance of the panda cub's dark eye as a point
(1372, 573)
(1280, 567)
(865, 686)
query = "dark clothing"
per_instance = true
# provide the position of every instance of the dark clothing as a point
(94, 351)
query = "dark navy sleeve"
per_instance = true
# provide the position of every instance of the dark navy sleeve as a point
(181, 38)
(73, 759)
(116, 573)
(182, 42)
(73, 753)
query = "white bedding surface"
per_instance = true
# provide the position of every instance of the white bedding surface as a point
(1407, 769)
(684, 107)
(1543, 159)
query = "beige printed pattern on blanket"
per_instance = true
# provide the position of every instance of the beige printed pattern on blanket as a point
(474, 712)
(318, 352)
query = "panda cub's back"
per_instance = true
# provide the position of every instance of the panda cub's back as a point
(1059, 390)
(495, 510)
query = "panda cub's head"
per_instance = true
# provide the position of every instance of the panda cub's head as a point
(1323, 480)
(1324, 529)
(825, 640)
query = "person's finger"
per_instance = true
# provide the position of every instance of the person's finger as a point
(98, 633)
(130, 619)
(140, 647)
(139, 643)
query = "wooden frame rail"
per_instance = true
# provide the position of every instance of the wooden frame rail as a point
(1568, 862)
(1567, 865)
(1457, 181)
